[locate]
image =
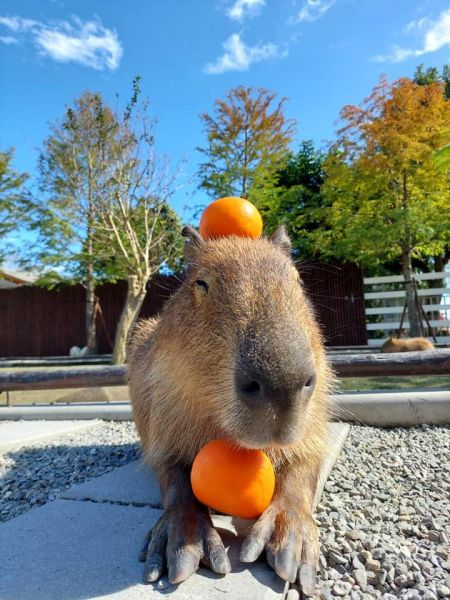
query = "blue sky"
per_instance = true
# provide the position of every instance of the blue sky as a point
(320, 54)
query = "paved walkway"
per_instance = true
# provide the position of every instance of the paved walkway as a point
(85, 545)
(18, 434)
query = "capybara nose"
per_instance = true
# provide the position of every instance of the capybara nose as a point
(256, 388)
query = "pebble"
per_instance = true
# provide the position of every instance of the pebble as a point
(337, 558)
(412, 595)
(354, 535)
(382, 575)
(434, 536)
(360, 577)
(342, 588)
(373, 565)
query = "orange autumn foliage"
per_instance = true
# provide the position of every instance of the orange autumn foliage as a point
(231, 216)
(236, 481)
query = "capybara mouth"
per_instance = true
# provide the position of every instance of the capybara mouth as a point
(283, 437)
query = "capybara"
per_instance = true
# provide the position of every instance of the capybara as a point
(406, 345)
(236, 354)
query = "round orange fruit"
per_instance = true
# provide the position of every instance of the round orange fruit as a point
(235, 481)
(231, 216)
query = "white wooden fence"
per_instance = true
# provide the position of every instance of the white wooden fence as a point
(384, 302)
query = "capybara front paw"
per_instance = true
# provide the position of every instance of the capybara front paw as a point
(291, 542)
(180, 539)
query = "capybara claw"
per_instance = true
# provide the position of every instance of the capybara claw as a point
(290, 540)
(180, 539)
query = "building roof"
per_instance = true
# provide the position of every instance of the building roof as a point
(10, 278)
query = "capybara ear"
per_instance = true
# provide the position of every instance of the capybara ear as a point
(193, 243)
(281, 239)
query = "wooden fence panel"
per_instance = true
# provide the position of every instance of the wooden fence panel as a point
(385, 304)
(38, 322)
(337, 294)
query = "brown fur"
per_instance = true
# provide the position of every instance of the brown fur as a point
(406, 345)
(182, 368)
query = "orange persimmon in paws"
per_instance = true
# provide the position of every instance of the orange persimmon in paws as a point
(233, 480)
(231, 216)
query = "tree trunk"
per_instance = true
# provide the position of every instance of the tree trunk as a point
(91, 341)
(130, 312)
(91, 334)
(413, 313)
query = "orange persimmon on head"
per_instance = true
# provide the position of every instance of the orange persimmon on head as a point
(231, 216)
(236, 481)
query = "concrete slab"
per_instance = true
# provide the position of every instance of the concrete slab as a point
(71, 550)
(132, 484)
(17, 434)
(137, 485)
(406, 408)
(115, 411)
(338, 435)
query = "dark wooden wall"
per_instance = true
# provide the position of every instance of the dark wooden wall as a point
(39, 322)
(337, 294)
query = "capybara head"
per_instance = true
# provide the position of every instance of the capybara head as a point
(389, 345)
(244, 340)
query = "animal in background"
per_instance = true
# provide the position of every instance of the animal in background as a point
(406, 345)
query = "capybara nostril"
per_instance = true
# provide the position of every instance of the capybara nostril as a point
(250, 387)
(253, 387)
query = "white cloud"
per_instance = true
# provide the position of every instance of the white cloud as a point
(397, 55)
(8, 39)
(238, 56)
(435, 36)
(417, 24)
(18, 24)
(312, 10)
(87, 43)
(240, 9)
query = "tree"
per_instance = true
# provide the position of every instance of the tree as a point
(14, 201)
(424, 76)
(296, 197)
(71, 175)
(137, 229)
(103, 213)
(248, 140)
(385, 196)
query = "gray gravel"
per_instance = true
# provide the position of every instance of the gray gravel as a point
(32, 476)
(384, 517)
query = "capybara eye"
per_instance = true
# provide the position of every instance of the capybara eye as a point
(202, 284)
(310, 382)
